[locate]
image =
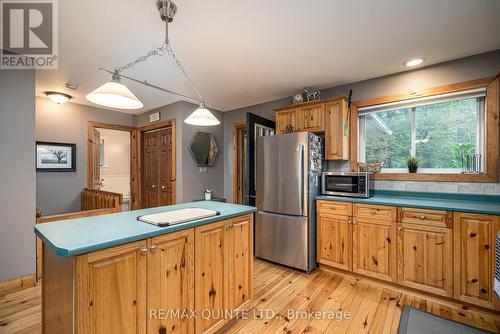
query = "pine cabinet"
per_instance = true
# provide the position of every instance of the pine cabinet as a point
(374, 248)
(334, 241)
(170, 285)
(111, 290)
(288, 119)
(337, 130)
(153, 285)
(312, 118)
(223, 271)
(425, 256)
(474, 237)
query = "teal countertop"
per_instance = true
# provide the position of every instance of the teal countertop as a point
(484, 204)
(83, 235)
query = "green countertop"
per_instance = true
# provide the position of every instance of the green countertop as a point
(83, 235)
(484, 204)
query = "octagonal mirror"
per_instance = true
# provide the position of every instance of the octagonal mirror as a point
(203, 149)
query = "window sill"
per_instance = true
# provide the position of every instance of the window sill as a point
(480, 178)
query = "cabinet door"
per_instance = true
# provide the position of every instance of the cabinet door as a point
(312, 118)
(335, 241)
(424, 258)
(239, 261)
(474, 240)
(111, 290)
(336, 134)
(209, 276)
(288, 118)
(374, 248)
(170, 275)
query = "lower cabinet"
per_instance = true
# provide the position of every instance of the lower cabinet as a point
(425, 256)
(444, 253)
(474, 237)
(374, 248)
(153, 286)
(223, 273)
(111, 290)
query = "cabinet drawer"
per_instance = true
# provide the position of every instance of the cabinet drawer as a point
(380, 212)
(337, 208)
(426, 217)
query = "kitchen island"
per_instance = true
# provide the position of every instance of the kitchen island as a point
(115, 274)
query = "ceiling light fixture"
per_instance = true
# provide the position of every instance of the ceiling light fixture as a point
(108, 95)
(58, 98)
(414, 62)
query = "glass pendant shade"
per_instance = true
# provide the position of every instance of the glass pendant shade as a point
(114, 94)
(202, 117)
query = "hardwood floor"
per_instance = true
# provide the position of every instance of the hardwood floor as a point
(372, 308)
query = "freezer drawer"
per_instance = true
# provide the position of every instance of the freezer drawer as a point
(282, 239)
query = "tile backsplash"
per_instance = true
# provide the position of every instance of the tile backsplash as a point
(435, 187)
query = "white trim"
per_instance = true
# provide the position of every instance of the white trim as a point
(465, 94)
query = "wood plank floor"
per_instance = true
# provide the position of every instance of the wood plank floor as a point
(372, 308)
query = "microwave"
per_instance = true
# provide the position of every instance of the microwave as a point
(351, 184)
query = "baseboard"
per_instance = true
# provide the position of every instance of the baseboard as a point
(16, 283)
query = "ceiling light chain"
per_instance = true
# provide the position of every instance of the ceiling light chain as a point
(165, 48)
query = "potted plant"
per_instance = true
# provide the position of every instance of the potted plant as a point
(413, 164)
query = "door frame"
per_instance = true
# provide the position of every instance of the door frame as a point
(236, 152)
(134, 167)
(155, 126)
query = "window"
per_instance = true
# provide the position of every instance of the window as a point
(438, 130)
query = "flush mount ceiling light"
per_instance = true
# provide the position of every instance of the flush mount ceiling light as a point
(414, 62)
(114, 94)
(58, 98)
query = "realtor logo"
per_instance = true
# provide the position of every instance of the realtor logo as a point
(28, 34)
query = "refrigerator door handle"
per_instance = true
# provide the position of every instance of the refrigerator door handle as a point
(301, 178)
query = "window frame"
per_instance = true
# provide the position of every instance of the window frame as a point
(491, 132)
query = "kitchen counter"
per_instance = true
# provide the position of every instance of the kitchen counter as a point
(83, 235)
(482, 204)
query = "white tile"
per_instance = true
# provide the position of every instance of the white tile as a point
(415, 186)
(489, 189)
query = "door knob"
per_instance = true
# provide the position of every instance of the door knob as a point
(144, 250)
(162, 187)
(153, 186)
(153, 248)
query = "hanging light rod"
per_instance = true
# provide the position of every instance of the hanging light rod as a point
(145, 83)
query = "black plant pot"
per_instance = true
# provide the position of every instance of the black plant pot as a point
(413, 169)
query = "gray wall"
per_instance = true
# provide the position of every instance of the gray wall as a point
(67, 123)
(470, 68)
(17, 173)
(191, 183)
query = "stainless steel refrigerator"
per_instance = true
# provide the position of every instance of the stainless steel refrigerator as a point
(288, 170)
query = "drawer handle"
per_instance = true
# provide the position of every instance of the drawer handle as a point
(144, 250)
(422, 217)
(153, 248)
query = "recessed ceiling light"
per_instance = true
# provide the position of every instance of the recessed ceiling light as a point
(58, 98)
(414, 62)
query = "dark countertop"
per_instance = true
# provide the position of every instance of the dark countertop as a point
(483, 204)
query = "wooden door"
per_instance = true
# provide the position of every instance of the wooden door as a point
(239, 261)
(424, 258)
(312, 118)
(474, 240)
(171, 282)
(374, 248)
(285, 119)
(335, 241)
(96, 173)
(209, 276)
(111, 290)
(150, 169)
(336, 133)
(165, 167)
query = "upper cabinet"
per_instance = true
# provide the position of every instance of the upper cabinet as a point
(330, 116)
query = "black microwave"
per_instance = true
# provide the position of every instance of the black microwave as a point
(351, 184)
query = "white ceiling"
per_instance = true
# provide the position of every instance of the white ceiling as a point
(241, 53)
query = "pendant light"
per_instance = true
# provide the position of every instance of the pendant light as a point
(202, 117)
(114, 94)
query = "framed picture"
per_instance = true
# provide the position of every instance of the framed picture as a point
(55, 157)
